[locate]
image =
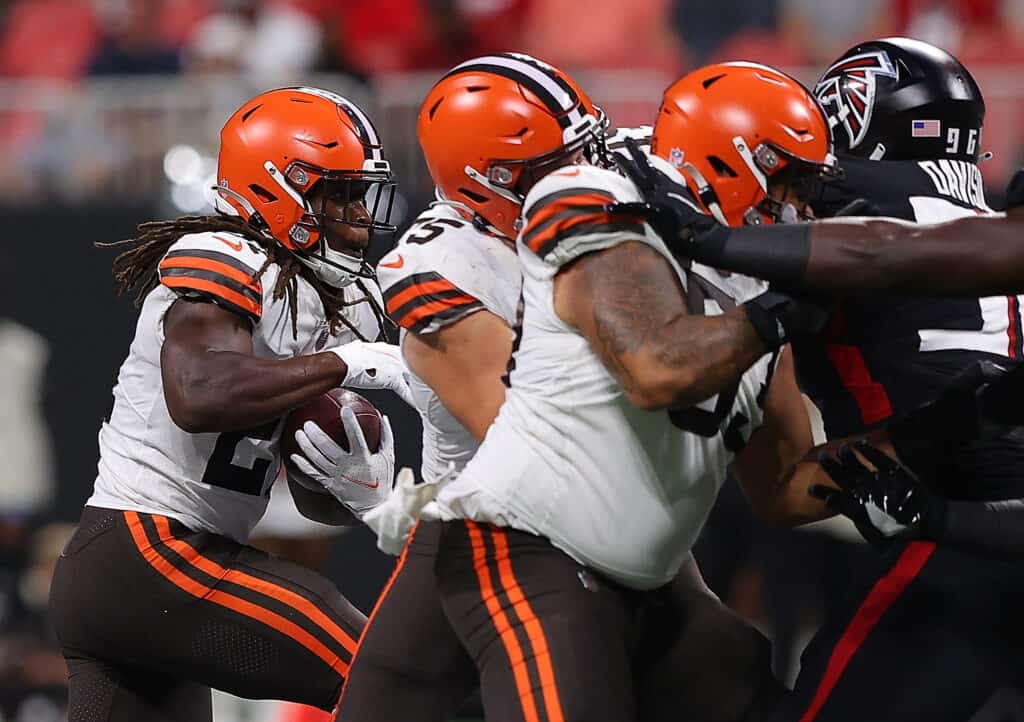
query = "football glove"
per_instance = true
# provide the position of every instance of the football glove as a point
(779, 317)
(359, 479)
(393, 520)
(883, 503)
(375, 365)
(666, 206)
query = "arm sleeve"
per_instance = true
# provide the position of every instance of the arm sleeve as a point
(989, 528)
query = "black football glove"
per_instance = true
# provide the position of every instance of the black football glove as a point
(887, 502)
(1015, 190)
(982, 403)
(666, 206)
(779, 317)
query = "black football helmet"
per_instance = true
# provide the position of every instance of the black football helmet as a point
(902, 99)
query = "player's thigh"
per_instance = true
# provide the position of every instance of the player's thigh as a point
(930, 637)
(146, 593)
(410, 664)
(98, 692)
(551, 640)
(702, 659)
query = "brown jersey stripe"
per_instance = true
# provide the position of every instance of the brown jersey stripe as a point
(421, 316)
(220, 292)
(419, 293)
(506, 632)
(183, 581)
(243, 278)
(445, 317)
(544, 201)
(226, 258)
(411, 280)
(214, 277)
(585, 229)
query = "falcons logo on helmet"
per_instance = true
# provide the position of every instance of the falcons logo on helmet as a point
(847, 91)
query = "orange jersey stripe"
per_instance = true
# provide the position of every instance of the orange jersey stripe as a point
(275, 591)
(501, 623)
(549, 233)
(585, 200)
(534, 630)
(380, 601)
(229, 601)
(419, 289)
(206, 264)
(428, 309)
(201, 284)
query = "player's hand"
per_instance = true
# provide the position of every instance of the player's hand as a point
(359, 479)
(779, 317)
(666, 206)
(393, 520)
(883, 503)
(375, 365)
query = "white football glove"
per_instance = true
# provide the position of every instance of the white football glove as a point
(359, 479)
(375, 365)
(394, 519)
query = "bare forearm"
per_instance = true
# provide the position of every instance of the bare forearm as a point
(227, 391)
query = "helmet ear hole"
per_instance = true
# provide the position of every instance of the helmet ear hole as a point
(262, 193)
(721, 167)
(475, 197)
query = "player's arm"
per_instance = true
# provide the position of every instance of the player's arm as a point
(628, 302)
(778, 464)
(213, 382)
(885, 499)
(464, 363)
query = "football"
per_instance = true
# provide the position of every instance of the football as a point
(325, 410)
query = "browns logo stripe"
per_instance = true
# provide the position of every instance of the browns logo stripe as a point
(243, 277)
(233, 299)
(448, 309)
(225, 258)
(152, 551)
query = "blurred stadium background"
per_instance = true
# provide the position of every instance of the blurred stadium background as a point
(109, 116)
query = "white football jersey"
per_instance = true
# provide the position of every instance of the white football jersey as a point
(209, 482)
(622, 490)
(442, 270)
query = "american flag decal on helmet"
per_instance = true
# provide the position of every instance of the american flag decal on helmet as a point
(846, 92)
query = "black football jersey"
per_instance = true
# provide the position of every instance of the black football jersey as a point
(882, 355)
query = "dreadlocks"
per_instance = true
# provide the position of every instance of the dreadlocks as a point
(136, 269)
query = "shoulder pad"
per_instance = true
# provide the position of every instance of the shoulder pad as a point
(220, 266)
(565, 214)
(416, 278)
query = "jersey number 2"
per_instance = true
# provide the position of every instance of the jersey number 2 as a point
(240, 460)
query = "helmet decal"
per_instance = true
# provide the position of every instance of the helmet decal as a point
(847, 92)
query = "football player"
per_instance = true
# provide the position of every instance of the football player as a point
(491, 128)
(244, 316)
(564, 533)
(883, 356)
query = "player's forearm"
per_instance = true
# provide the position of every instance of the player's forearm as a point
(991, 528)
(227, 391)
(969, 257)
(692, 359)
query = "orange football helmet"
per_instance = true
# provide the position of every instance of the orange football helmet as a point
(280, 144)
(495, 125)
(737, 129)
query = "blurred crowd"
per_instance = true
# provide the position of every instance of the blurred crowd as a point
(366, 37)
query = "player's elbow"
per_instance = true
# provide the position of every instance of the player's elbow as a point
(192, 417)
(654, 389)
(193, 402)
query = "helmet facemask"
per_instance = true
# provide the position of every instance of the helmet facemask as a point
(373, 190)
(789, 183)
